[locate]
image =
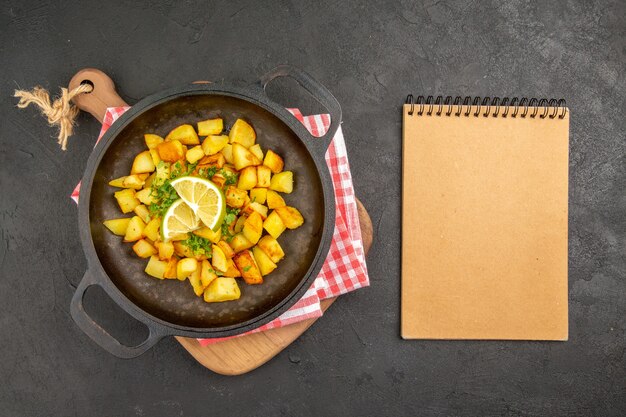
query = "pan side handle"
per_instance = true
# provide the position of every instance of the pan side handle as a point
(99, 334)
(102, 96)
(319, 92)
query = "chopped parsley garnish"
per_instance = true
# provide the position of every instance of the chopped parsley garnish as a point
(246, 268)
(231, 215)
(207, 172)
(198, 245)
(231, 177)
(163, 192)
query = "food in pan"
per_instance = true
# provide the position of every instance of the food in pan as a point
(206, 210)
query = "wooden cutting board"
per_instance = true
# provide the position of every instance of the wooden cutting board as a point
(233, 356)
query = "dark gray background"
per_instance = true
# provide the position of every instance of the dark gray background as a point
(370, 55)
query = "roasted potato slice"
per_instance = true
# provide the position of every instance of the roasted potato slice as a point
(247, 178)
(258, 195)
(207, 274)
(152, 140)
(239, 242)
(222, 289)
(253, 227)
(274, 200)
(235, 197)
(242, 133)
(274, 225)
(196, 282)
(273, 161)
(165, 250)
(243, 158)
(126, 200)
(144, 249)
(185, 267)
(185, 134)
(117, 226)
(209, 234)
(272, 248)
(171, 151)
(248, 267)
(227, 151)
(264, 262)
(282, 182)
(256, 150)
(225, 247)
(256, 207)
(143, 163)
(219, 259)
(151, 231)
(213, 144)
(216, 160)
(134, 231)
(145, 196)
(171, 269)
(143, 212)
(290, 216)
(210, 127)
(264, 176)
(155, 267)
(194, 154)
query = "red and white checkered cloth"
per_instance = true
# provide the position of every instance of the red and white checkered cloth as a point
(344, 269)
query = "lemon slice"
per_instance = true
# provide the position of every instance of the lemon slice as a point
(178, 219)
(204, 198)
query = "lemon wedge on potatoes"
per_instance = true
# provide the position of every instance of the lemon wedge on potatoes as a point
(204, 198)
(179, 219)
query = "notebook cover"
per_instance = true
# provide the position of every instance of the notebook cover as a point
(484, 227)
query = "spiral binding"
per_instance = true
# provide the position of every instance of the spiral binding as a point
(543, 107)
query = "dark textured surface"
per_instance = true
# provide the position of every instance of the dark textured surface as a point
(352, 361)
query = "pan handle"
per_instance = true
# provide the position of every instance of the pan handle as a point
(319, 92)
(101, 336)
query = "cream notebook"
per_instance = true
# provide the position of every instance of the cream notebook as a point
(484, 219)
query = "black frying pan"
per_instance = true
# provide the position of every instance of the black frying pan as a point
(169, 307)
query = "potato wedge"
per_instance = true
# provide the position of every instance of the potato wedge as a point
(235, 197)
(194, 154)
(143, 163)
(256, 207)
(239, 224)
(247, 178)
(171, 151)
(272, 248)
(232, 270)
(165, 250)
(155, 267)
(282, 182)
(264, 262)
(152, 229)
(145, 196)
(152, 140)
(216, 160)
(207, 274)
(219, 260)
(134, 231)
(253, 227)
(185, 134)
(210, 127)
(274, 225)
(290, 216)
(227, 151)
(225, 247)
(248, 267)
(117, 226)
(185, 267)
(264, 175)
(143, 212)
(183, 250)
(274, 200)
(207, 233)
(196, 282)
(243, 158)
(242, 133)
(258, 195)
(171, 269)
(239, 243)
(213, 144)
(222, 289)
(256, 150)
(144, 249)
(126, 200)
(273, 161)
